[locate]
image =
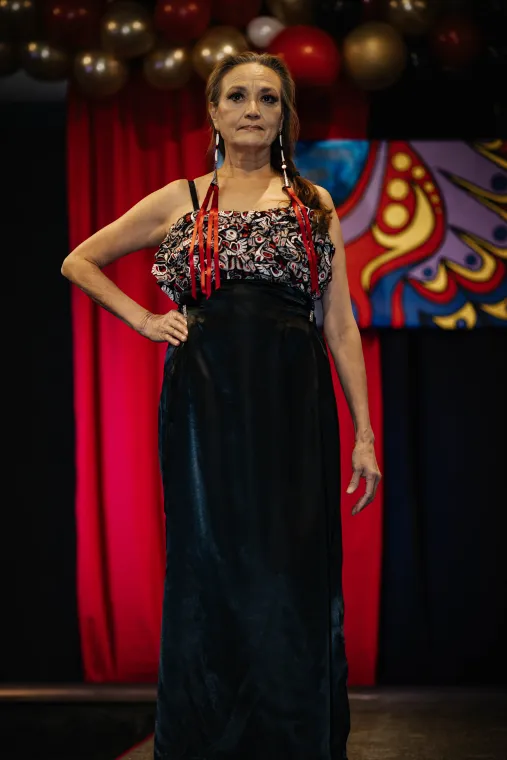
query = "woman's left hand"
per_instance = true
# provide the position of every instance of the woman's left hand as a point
(364, 464)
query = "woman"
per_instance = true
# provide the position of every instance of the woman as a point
(252, 658)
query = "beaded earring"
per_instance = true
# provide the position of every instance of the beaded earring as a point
(205, 255)
(304, 223)
(217, 142)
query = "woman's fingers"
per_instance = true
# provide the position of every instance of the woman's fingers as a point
(177, 328)
(356, 477)
(176, 336)
(372, 481)
(177, 318)
(170, 337)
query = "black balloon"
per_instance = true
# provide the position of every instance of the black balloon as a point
(337, 17)
(44, 62)
(18, 20)
(421, 65)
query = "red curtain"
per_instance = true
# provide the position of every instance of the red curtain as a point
(118, 152)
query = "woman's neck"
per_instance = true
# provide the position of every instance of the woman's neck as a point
(246, 169)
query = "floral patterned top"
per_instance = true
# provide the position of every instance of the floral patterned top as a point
(252, 245)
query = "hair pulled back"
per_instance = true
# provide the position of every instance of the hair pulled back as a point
(304, 189)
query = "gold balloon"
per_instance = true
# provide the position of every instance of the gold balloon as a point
(291, 12)
(42, 61)
(412, 16)
(9, 59)
(18, 19)
(375, 55)
(99, 74)
(168, 68)
(126, 30)
(214, 45)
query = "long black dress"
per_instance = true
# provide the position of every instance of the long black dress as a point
(252, 656)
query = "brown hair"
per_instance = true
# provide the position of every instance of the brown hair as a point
(304, 189)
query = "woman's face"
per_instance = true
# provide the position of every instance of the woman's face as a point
(249, 111)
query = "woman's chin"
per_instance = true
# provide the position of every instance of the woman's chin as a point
(249, 137)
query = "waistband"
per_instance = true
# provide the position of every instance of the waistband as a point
(251, 296)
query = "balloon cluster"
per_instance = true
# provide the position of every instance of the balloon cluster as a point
(381, 39)
(99, 42)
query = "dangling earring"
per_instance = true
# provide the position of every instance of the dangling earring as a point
(284, 165)
(212, 242)
(304, 224)
(217, 141)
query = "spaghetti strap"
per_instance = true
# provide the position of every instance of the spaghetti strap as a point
(193, 193)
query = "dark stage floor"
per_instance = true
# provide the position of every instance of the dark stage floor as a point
(101, 723)
(391, 724)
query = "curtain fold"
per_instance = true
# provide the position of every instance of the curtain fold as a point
(118, 152)
(362, 534)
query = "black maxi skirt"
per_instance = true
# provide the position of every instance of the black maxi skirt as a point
(252, 657)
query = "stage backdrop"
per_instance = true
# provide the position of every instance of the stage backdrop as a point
(425, 228)
(118, 152)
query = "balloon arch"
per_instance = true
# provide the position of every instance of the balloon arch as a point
(98, 43)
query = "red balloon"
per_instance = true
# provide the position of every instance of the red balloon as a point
(456, 41)
(310, 53)
(73, 23)
(235, 12)
(182, 21)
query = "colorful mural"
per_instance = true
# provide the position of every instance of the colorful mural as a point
(425, 228)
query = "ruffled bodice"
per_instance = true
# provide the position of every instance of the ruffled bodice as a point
(251, 245)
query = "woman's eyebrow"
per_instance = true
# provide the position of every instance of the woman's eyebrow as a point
(243, 89)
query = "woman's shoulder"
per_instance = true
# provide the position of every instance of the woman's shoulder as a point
(179, 188)
(202, 184)
(176, 200)
(327, 200)
(325, 196)
(173, 190)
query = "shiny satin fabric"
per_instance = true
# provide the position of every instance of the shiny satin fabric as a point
(252, 656)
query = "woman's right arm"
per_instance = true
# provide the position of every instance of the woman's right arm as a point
(143, 226)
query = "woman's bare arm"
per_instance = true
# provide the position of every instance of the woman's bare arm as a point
(344, 340)
(143, 226)
(342, 334)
